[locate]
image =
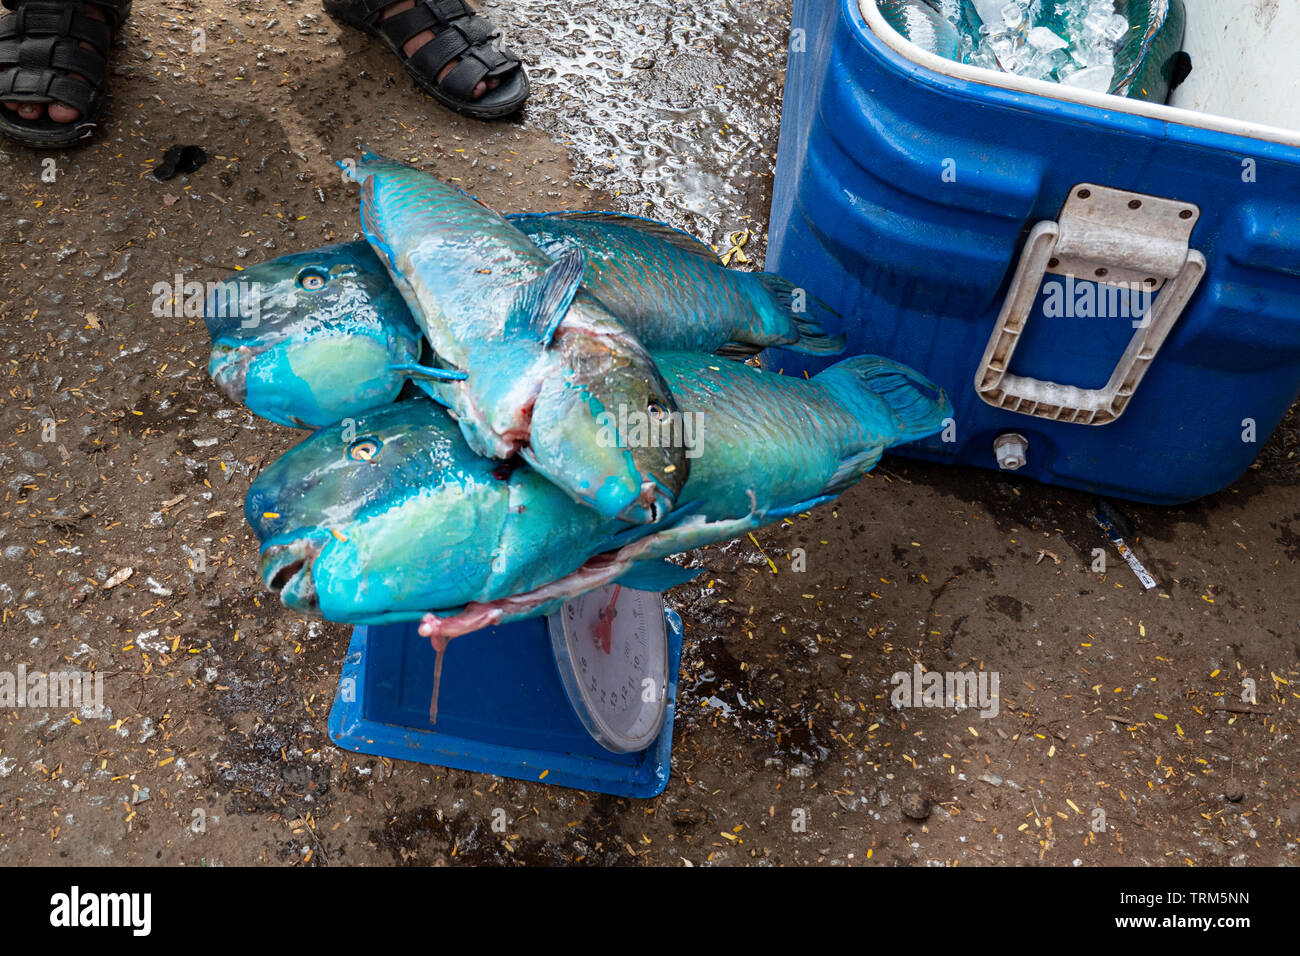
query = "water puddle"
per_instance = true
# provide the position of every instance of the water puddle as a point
(672, 108)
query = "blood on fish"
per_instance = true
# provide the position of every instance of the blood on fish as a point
(439, 648)
(440, 635)
(521, 434)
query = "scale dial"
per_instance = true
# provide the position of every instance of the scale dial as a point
(611, 649)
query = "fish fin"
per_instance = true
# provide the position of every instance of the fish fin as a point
(434, 388)
(806, 312)
(557, 247)
(542, 304)
(851, 469)
(434, 391)
(658, 575)
(814, 341)
(635, 532)
(660, 230)
(738, 351)
(789, 511)
(695, 531)
(919, 406)
(428, 373)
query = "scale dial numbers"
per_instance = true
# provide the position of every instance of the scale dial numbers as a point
(611, 650)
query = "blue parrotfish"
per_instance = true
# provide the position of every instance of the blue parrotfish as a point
(528, 360)
(665, 286)
(310, 338)
(401, 520)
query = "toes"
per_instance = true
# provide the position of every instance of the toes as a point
(31, 112)
(58, 112)
(424, 36)
(399, 7)
(62, 113)
(480, 88)
(417, 41)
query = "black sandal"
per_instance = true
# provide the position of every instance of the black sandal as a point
(458, 34)
(40, 47)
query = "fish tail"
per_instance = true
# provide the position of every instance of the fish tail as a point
(919, 407)
(794, 306)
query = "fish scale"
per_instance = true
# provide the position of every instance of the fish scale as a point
(643, 270)
(618, 257)
(783, 426)
(455, 310)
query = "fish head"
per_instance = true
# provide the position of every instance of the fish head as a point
(598, 429)
(393, 515)
(307, 339)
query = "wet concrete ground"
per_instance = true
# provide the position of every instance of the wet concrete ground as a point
(787, 748)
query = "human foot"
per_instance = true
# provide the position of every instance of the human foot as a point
(447, 49)
(423, 37)
(54, 67)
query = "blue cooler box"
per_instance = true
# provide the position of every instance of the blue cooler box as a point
(1108, 289)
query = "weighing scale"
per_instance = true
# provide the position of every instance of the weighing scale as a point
(582, 699)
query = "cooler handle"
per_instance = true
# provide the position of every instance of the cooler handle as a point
(1101, 232)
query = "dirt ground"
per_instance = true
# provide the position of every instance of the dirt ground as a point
(787, 749)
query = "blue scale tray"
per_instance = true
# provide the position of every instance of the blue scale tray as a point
(501, 709)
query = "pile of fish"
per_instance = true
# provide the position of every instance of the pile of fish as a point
(509, 412)
(1125, 47)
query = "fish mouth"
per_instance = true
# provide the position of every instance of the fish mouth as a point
(651, 506)
(228, 366)
(287, 573)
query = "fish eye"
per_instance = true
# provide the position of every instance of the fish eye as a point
(313, 279)
(364, 449)
(655, 410)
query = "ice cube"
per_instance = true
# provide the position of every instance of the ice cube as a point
(1045, 41)
(1037, 67)
(990, 11)
(1013, 15)
(1097, 78)
(1116, 28)
(1003, 47)
(1097, 21)
(1053, 63)
(982, 56)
